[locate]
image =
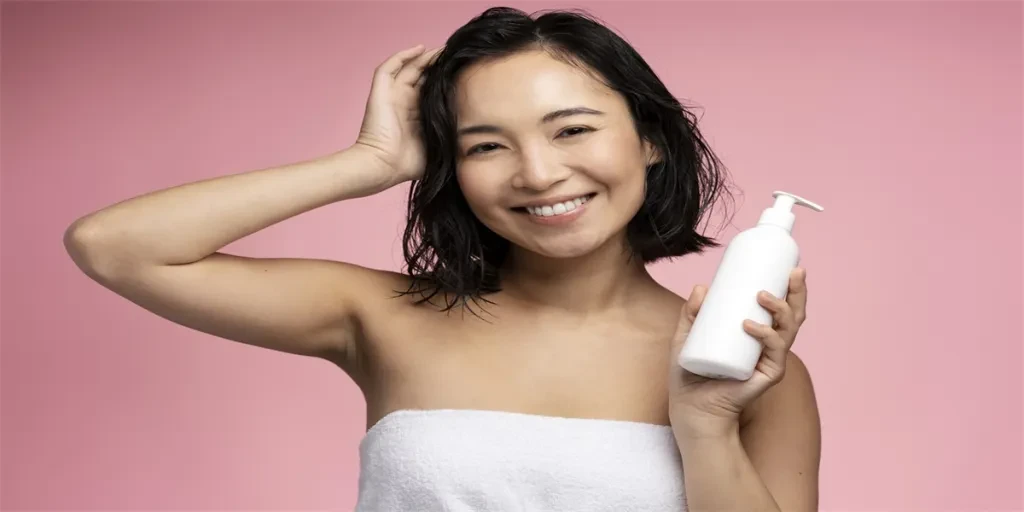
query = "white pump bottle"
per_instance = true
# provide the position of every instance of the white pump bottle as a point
(760, 258)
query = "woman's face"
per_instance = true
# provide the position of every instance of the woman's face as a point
(549, 157)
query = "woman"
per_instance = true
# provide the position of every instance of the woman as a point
(526, 360)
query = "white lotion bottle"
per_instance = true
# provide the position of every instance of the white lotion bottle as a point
(759, 258)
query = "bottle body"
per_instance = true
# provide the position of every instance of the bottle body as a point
(717, 346)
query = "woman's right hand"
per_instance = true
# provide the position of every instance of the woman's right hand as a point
(390, 130)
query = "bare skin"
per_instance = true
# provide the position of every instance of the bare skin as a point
(515, 358)
(577, 331)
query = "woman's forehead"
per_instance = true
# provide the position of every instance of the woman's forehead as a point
(529, 84)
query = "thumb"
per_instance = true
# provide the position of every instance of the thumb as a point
(687, 316)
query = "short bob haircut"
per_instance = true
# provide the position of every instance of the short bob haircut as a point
(449, 252)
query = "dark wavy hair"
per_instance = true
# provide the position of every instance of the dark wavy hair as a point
(449, 252)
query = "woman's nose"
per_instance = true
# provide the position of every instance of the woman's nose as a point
(539, 171)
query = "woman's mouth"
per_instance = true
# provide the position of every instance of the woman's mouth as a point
(556, 212)
(557, 208)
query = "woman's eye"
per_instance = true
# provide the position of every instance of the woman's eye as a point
(482, 148)
(490, 146)
(575, 130)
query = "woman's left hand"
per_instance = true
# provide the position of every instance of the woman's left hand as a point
(702, 406)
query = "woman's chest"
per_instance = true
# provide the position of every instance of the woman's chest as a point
(598, 368)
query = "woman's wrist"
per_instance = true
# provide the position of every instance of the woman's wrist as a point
(703, 428)
(361, 171)
(689, 440)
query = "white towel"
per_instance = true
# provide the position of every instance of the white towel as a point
(457, 460)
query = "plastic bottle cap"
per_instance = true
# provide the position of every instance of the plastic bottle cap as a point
(781, 213)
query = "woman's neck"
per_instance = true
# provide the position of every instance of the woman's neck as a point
(604, 278)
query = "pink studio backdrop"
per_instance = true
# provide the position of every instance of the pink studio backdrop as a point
(902, 119)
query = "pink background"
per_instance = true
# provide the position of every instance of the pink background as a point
(902, 119)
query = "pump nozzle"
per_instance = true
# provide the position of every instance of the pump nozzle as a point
(781, 213)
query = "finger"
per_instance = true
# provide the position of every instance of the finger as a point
(430, 56)
(390, 67)
(693, 303)
(413, 70)
(773, 360)
(782, 313)
(797, 294)
(687, 316)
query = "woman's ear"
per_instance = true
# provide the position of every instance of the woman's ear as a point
(652, 154)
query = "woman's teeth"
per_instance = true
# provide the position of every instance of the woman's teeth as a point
(557, 208)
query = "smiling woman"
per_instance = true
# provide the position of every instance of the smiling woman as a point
(550, 165)
(539, 154)
(520, 112)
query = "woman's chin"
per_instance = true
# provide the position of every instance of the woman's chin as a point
(562, 249)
